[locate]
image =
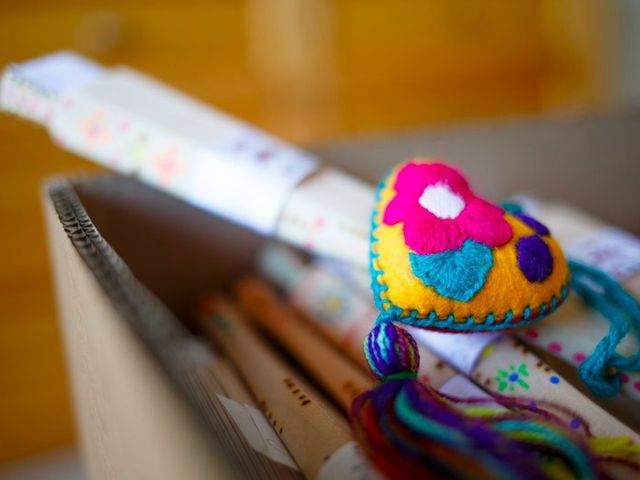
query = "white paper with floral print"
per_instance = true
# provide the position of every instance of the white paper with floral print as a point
(138, 126)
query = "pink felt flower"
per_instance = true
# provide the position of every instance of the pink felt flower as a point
(440, 212)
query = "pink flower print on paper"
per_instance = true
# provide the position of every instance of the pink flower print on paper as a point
(95, 130)
(168, 165)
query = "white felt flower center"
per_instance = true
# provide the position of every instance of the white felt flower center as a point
(441, 201)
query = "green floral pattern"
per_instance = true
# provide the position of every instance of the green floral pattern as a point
(512, 378)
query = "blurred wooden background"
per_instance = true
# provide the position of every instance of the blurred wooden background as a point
(307, 71)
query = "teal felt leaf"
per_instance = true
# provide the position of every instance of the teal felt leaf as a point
(455, 274)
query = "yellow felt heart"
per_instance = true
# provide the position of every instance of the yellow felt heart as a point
(444, 258)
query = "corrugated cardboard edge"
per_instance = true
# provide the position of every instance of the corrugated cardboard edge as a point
(132, 421)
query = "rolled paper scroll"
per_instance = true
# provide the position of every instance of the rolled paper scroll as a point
(317, 436)
(340, 378)
(528, 376)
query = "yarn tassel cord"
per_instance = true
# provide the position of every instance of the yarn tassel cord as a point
(602, 370)
(409, 429)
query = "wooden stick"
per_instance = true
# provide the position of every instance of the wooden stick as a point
(342, 380)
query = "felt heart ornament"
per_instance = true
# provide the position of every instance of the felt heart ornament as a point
(444, 258)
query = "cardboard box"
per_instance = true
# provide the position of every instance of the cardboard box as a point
(132, 421)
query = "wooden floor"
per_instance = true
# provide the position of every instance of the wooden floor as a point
(325, 70)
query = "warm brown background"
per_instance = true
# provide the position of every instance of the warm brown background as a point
(308, 71)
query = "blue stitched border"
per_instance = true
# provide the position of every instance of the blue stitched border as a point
(394, 313)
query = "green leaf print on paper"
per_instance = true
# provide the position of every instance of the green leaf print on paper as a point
(512, 378)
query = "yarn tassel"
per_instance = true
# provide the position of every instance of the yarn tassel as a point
(602, 370)
(409, 430)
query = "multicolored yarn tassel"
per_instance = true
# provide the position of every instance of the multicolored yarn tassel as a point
(409, 429)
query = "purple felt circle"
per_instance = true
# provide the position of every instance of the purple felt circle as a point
(539, 228)
(534, 258)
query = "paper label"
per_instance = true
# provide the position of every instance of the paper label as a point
(242, 188)
(329, 215)
(609, 249)
(349, 463)
(257, 431)
(458, 349)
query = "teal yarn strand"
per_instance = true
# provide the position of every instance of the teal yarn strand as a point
(601, 370)
(447, 434)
